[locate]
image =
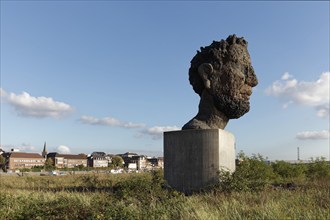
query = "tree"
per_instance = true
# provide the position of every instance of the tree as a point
(49, 164)
(2, 163)
(83, 155)
(117, 161)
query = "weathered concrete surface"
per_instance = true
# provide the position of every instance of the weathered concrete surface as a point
(192, 158)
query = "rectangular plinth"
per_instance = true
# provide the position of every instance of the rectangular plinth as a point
(192, 158)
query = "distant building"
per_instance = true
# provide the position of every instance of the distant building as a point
(99, 153)
(67, 160)
(19, 160)
(141, 162)
(98, 159)
(298, 161)
(109, 157)
(156, 162)
(160, 162)
(128, 155)
(132, 166)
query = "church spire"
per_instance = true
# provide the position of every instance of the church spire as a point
(44, 152)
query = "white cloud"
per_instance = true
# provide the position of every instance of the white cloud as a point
(24, 147)
(286, 105)
(313, 135)
(323, 110)
(109, 121)
(156, 132)
(314, 93)
(30, 106)
(28, 148)
(286, 76)
(3, 93)
(63, 149)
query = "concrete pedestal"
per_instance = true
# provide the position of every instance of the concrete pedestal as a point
(192, 158)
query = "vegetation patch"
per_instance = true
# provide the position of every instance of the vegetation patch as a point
(256, 190)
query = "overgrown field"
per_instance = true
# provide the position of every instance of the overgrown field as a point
(254, 191)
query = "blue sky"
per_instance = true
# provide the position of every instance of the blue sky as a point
(112, 76)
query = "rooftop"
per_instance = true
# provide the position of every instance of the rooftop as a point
(24, 155)
(67, 156)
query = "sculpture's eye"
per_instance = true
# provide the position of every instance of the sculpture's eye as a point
(241, 76)
(246, 71)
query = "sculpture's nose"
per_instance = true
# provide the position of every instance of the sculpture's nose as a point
(251, 78)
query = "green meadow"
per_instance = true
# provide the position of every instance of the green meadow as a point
(255, 191)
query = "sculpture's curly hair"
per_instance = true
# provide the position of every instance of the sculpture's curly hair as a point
(215, 54)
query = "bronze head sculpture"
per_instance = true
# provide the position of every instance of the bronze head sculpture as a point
(222, 75)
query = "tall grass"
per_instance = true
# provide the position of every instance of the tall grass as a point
(143, 196)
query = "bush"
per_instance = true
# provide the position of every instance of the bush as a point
(286, 170)
(251, 174)
(49, 164)
(318, 169)
(24, 170)
(37, 168)
(90, 181)
(138, 186)
(142, 196)
(254, 174)
(3, 163)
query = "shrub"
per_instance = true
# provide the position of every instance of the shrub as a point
(3, 163)
(138, 187)
(251, 174)
(286, 170)
(141, 196)
(37, 168)
(90, 181)
(157, 178)
(49, 164)
(318, 169)
(24, 170)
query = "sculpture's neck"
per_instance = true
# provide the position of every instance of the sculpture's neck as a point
(209, 113)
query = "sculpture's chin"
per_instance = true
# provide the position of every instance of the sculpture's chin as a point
(231, 107)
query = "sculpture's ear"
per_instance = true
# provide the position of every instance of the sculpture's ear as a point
(205, 70)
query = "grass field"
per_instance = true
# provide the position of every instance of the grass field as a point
(142, 196)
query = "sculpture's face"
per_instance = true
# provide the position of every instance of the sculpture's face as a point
(231, 85)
